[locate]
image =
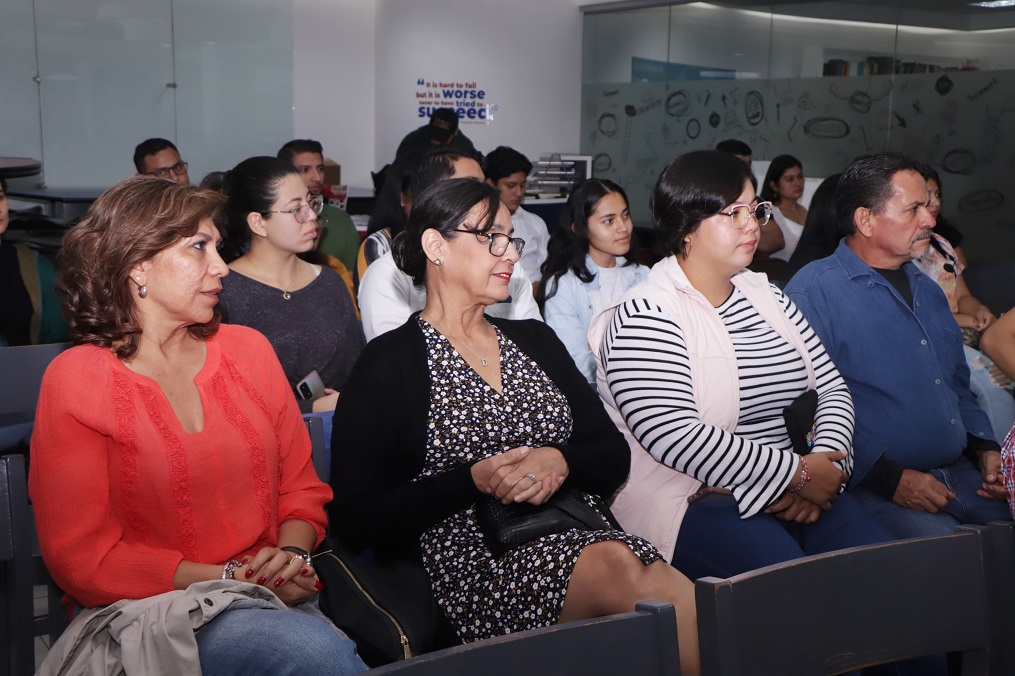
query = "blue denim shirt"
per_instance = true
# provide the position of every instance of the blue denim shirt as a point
(905, 368)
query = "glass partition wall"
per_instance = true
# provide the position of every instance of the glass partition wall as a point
(824, 84)
(83, 82)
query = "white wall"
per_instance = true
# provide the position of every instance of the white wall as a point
(333, 81)
(357, 62)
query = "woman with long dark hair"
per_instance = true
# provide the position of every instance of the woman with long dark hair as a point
(305, 310)
(783, 187)
(587, 265)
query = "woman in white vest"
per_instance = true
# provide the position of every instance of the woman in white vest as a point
(697, 364)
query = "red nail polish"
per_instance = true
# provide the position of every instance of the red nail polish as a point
(318, 586)
(250, 571)
(279, 581)
(304, 571)
(262, 580)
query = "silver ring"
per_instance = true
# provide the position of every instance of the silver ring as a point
(533, 477)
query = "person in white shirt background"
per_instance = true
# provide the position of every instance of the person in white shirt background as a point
(783, 187)
(508, 170)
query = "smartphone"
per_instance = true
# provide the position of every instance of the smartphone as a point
(311, 387)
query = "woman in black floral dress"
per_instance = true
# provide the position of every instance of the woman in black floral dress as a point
(485, 406)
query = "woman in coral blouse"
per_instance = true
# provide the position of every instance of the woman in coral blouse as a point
(169, 450)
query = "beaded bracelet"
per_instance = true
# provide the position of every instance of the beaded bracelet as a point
(805, 476)
(229, 570)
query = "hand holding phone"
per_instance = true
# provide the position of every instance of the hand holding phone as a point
(311, 387)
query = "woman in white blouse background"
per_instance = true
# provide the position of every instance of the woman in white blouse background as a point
(696, 365)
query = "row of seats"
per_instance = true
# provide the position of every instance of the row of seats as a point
(879, 603)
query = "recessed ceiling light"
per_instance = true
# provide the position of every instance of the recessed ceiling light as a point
(993, 4)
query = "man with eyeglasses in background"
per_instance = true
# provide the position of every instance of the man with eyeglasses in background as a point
(160, 158)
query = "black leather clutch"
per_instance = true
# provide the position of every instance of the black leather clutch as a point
(508, 526)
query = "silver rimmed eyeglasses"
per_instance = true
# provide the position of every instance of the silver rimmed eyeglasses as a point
(302, 212)
(498, 241)
(740, 214)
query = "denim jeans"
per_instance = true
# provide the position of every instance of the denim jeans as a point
(967, 508)
(264, 641)
(997, 403)
(714, 540)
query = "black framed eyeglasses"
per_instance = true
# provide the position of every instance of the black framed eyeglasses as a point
(498, 241)
(740, 214)
(300, 213)
(180, 168)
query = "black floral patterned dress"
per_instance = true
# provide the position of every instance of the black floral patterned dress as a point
(469, 420)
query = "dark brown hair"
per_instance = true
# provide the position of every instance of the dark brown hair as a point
(131, 222)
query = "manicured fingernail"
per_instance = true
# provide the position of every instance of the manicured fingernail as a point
(279, 581)
(303, 571)
(262, 580)
(250, 571)
(318, 586)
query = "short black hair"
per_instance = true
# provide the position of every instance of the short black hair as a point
(438, 164)
(443, 206)
(503, 161)
(290, 150)
(692, 187)
(867, 182)
(150, 147)
(734, 147)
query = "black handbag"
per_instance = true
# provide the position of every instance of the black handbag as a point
(385, 605)
(799, 418)
(508, 526)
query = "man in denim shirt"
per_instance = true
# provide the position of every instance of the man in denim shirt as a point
(925, 456)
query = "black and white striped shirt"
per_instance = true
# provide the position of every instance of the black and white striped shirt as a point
(648, 372)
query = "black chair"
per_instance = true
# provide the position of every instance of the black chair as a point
(22, 369)
(864, 606)
(643, 642)
(21, 570)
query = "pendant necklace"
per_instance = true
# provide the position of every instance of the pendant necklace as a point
(285, 292)
(481, 357)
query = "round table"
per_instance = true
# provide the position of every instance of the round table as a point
(17, 167)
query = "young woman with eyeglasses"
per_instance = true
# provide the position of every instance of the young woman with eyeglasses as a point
(696, 367)
(304, 310)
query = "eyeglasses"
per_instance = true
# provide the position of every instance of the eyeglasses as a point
(498, 241)
(180, 168)
(740, 214)
(315, 205)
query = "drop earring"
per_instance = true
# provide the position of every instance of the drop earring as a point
(142, 292)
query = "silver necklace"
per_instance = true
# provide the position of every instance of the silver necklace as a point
(481, 357)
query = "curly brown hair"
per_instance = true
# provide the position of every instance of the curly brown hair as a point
(130, 223)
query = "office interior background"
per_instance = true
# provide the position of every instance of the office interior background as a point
(630, 83)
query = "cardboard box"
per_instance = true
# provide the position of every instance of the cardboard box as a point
(332, 172)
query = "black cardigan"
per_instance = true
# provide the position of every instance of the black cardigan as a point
(380, 433)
